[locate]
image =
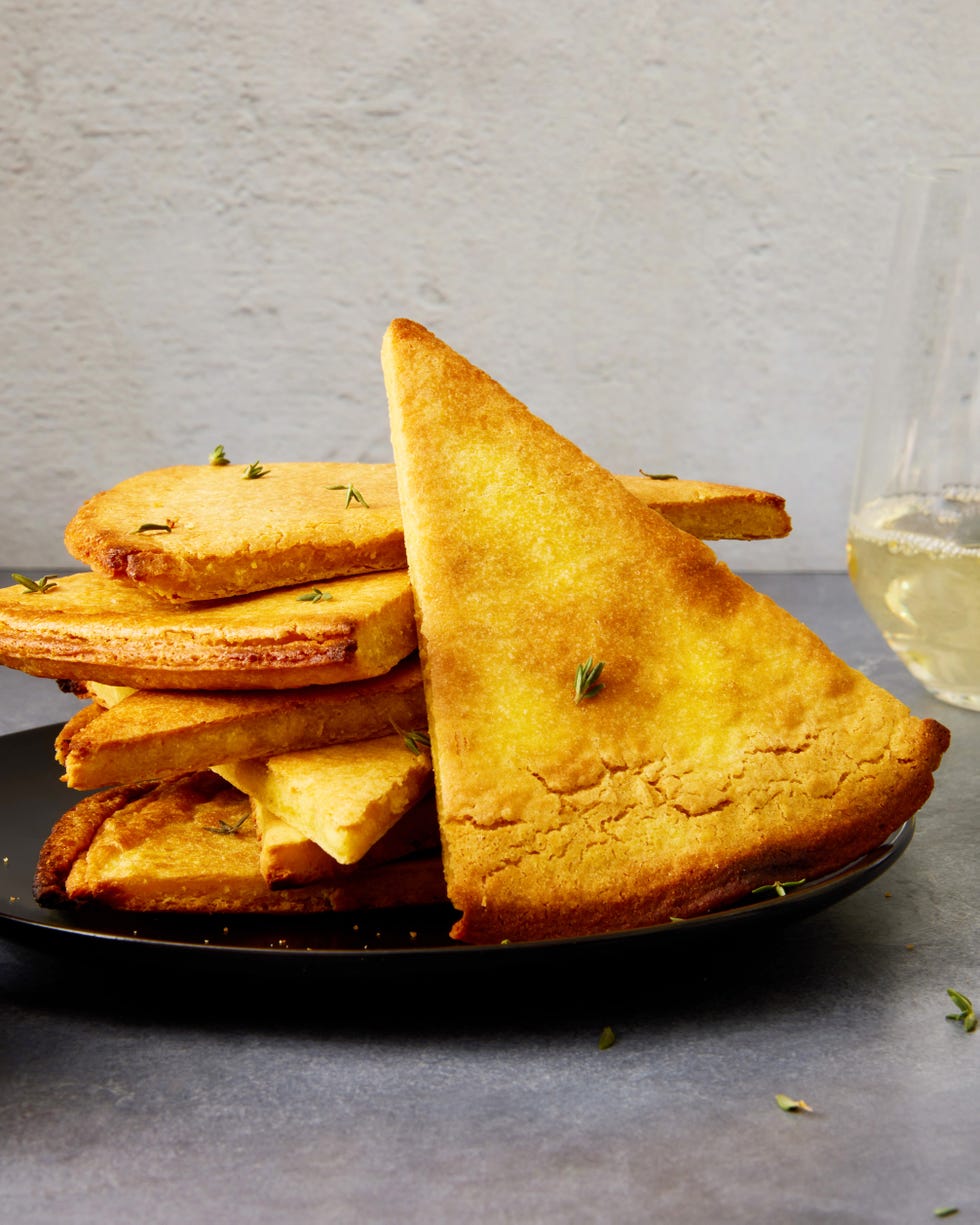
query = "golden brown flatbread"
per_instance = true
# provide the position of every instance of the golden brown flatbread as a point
(712, 511)
(287, 858)
(156, 733)
(92, 628)
(722, 747)
(230, 535)
(343, 797)
(189, 845)
(298, 523)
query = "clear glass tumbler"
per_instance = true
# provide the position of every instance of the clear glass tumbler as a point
(914, 534)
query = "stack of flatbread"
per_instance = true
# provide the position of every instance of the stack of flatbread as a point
(619, 731)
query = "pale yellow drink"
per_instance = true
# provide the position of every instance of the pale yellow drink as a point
(915, 563)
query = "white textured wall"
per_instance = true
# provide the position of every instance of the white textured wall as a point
(665, 226)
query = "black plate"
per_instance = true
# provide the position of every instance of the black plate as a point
(415, 940)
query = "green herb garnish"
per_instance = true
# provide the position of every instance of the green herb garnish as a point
(223, 827)
(315, 596)
(607, 1038)
(945, 1211)
(353, 495)
(37, 586)
(253, 471)
(415, 741)
(966, 1016)
(217, 458)
(658, 476)
(792, 1104)
(168, 526)
(780, 886)
(587, 679)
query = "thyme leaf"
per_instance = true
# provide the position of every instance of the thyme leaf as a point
(780, 886)
(353, 495)
(792, 1104)
(587, 679)
(36, 586)
(658, 476)
(252, 472)
(315, 596)
(415, 741)
(217, 458)
(966, 1015)
(225, 827)
(168, 526)
(607, 1038)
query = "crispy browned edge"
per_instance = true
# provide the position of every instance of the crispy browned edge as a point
(71, 837)
(76, 724)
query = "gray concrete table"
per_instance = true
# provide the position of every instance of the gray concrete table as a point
(172, 1098)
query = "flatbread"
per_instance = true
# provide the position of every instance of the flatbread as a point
(343, 797)
(156, 733)
(295, 523)
(91, 628)
(728, 747)
(288, 858)
(188, 845)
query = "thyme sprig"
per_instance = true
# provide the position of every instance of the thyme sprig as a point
(658, 476)
(315, 596)
(780, 886)
(167, 526)
(218, 458)
(966, 1016)
(587, 679)
(415, 741)
(36, 586)
(352, 495)
(792, 1104)
(252, 472)
(225, 827)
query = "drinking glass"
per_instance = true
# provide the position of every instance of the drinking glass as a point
(914, 533)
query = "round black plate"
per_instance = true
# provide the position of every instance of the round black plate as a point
(33, 798)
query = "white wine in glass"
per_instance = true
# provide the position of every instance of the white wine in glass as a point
(914, 533)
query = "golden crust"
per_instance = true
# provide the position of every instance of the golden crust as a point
(161, 847)
(155, 733)
(232, 535)
(729, 746)
(713, 512)
(89, 627)
(71, 838)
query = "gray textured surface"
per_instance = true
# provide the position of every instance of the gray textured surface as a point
(168, 1099)
(665, 226)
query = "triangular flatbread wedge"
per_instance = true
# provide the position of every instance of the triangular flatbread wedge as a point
(288, 859)
(343, 797)
(727, 747)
